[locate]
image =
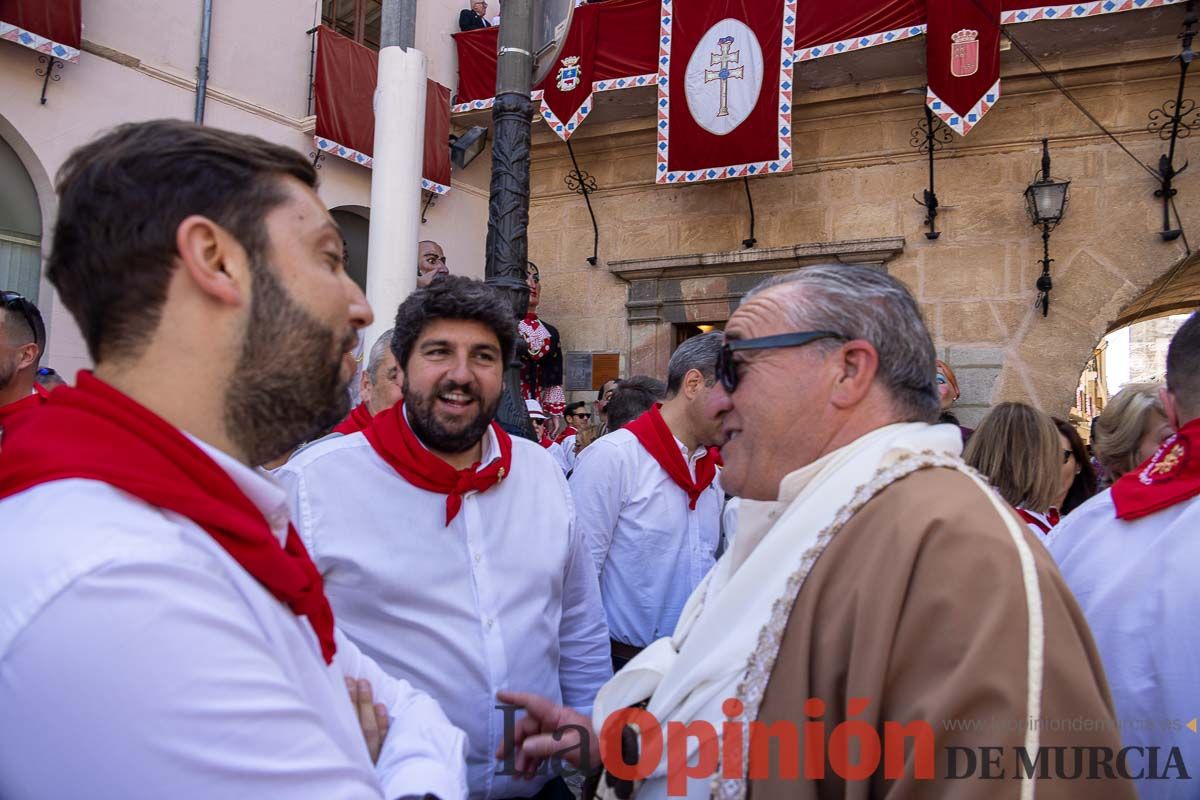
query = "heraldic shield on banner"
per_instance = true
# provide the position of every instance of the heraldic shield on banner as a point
(725, 89)
(963, 54)
(567, 90)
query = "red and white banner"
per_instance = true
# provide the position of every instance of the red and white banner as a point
(725, 89)
(567, 90)
(53, 27)
(344, 88)
(962, 51)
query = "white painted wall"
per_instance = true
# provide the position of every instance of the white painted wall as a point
(258, 84)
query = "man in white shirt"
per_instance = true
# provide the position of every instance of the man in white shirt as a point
(448, 549)
(649, 503)
(1129, 555)
(164, 633)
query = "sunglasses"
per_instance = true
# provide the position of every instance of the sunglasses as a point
(727, 367)
(16, 302)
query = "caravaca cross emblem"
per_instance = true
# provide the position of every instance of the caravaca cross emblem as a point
(568, 74)
(722, 60)
(964, 53)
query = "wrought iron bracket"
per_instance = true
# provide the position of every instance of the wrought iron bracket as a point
(1044, 282)
(584, 183)
(929, 136)
(749, 242)
(318, 157)
(431, 199)
(48, 72)
(1175, 120)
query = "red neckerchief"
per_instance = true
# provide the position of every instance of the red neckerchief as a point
(358, 419)
(396, 444)
(1037, 523)
(35, 400)
(1171, 476)
(652, 431)
(569, 431)
(93, 431)
(546, 441)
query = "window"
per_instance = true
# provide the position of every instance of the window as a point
(356, 19)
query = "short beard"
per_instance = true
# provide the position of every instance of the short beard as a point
(432, 433)
(287, 386)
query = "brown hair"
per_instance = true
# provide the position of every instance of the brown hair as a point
(122, 198)
(1017, 448)
(1122, 424)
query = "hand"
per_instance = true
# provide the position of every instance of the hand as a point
(372, 716)
(533, 736)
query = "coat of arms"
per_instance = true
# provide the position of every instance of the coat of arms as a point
(568, 74)
(964, 53)
(1171, 456)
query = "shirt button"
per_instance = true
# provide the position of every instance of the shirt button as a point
(478, 558)
(490, 623)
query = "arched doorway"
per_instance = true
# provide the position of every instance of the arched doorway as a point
(1134, 348)
(353, 220)
(20, 227)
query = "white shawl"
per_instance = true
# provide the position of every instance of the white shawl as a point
(690, 674)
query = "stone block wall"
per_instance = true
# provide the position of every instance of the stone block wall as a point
(855, 177)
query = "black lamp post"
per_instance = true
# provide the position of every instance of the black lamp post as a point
(1046, 202)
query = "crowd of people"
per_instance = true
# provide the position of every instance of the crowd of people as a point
(224, 578)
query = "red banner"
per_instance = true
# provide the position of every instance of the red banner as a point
(962, 50)
(567, 90)
(53, 27)
(724, 89)
(344, 87)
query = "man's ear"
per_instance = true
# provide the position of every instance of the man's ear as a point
(1170, 407)
(364, 386)
(28, 355)
(693, 382)
(213, 259)
(856, 364)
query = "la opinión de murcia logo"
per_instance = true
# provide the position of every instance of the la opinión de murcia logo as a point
(854, 750)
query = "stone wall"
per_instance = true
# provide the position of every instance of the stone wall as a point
(855, 177)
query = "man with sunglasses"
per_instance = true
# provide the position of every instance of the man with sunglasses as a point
(875, 585)
(22, 341)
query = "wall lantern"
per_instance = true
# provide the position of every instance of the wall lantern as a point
(1046, 202)
(464, 149)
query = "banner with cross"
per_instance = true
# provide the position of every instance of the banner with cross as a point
(724, 89)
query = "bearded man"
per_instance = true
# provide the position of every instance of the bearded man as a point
(154, 591)
(447, 547)
(876, 586)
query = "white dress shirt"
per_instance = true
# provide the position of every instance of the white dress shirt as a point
(1136, 583)
(505, 597)
(138, 659)
(650, 549)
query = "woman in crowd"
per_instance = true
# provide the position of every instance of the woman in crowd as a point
(947, 386)
(1019, 450)
(1078, 479)
(1130, 429)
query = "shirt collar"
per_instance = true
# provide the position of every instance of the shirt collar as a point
(268, 496)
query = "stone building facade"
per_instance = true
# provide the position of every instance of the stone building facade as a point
(673, 255)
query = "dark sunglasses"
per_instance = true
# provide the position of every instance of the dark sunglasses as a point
(727, 367)
(15, 302)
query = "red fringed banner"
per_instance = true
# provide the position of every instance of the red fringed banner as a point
(53, 27)
(962, 46)
(725, 89)
(344, 87)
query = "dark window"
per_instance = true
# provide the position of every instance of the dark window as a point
(357, 19)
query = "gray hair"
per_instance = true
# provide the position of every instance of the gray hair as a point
(378, 350)
(859, 302)
(698, 353)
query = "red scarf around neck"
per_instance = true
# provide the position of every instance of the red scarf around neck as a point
(94, 432)
(570, 430)
(1052, 517)
(1171, 476)
(652, 431)
(35, 400)
(358, 419)
(395, 442)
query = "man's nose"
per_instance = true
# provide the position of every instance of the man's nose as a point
(361, 315)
